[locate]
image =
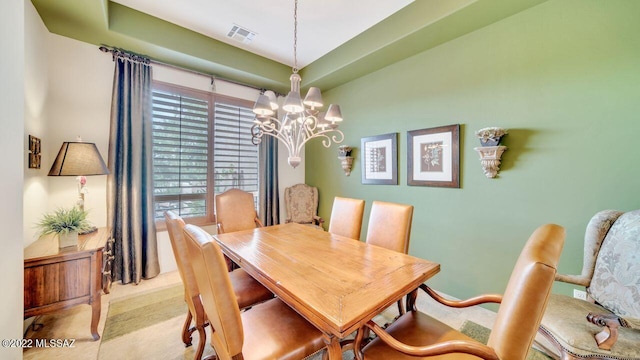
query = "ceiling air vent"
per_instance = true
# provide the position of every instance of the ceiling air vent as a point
(241, 34)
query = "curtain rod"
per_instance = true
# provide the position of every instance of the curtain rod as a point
(119, 52)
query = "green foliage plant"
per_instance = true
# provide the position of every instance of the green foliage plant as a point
(63, 221)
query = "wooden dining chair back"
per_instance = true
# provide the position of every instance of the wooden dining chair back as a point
(390, 225)
(518, 318)
(346, 217)
(270, 330)
(175, 226)
(235, 211)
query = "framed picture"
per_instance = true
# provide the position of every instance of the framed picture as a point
(34, 155)
(433, 157)
(380, 159)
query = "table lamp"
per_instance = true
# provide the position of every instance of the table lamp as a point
(79, 159)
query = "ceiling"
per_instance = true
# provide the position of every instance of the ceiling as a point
(338, 40)
(322, 25)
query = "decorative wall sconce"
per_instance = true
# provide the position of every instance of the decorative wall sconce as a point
(490, 159)
(344, 154)
(491, 151)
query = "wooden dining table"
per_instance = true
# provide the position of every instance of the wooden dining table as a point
(336, 283)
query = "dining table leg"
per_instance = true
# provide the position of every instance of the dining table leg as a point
(334, 349)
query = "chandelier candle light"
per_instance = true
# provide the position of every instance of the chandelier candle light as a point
(302, 120)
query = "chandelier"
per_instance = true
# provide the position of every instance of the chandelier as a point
(302, 119)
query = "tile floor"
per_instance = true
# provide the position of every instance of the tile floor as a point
(162, 341)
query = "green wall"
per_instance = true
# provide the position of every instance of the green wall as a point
(563, 77)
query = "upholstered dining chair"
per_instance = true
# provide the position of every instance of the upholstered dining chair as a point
(416, 335)
(235, 211)
(611, 276)
(247, 290)
(301, 202)
(346, 217)
(270, 330)
(390, 227)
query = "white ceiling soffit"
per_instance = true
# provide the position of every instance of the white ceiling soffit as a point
(323, 25)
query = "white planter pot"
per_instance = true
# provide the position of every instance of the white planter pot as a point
(68, 239)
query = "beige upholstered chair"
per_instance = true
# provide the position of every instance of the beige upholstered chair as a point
(611, 275)
(301, 202)
(346, 217)
(235, 211)
(270, 330)
(248, 291)
(518, 317)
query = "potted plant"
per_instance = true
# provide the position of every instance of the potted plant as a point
(66, 223)
(490, 136)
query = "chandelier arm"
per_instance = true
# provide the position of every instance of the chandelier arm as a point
(299, 140)
(335, 137)
(279, 136)
(327, 139)
(276, 132)
(256, 134)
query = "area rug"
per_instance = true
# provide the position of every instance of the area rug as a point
(142, 310)
(481, 334)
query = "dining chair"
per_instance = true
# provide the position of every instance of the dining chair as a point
(235, 211)
(416, 335)
(270, 330)
(247, 290)
(301, 203)
(346, 217)
(390, 227)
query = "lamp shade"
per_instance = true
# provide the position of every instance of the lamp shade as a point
(313, 98)
(263, 106)
(78, 159)
(293, 103)
(272, 99)
(333, 113)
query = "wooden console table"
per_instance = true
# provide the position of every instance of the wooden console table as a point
(55, 279)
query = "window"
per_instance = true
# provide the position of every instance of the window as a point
(201, 147)
(235, 160)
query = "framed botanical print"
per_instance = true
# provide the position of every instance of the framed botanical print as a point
(433, 157)
(380, 159)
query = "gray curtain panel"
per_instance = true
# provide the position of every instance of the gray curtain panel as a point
(130, 188)
(269, 203)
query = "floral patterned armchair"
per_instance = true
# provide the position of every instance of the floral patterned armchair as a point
(301, 201)
(607, 326)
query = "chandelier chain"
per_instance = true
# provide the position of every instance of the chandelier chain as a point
(295, 37)
(301, 120)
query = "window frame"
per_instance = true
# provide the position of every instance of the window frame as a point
(211, 98)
